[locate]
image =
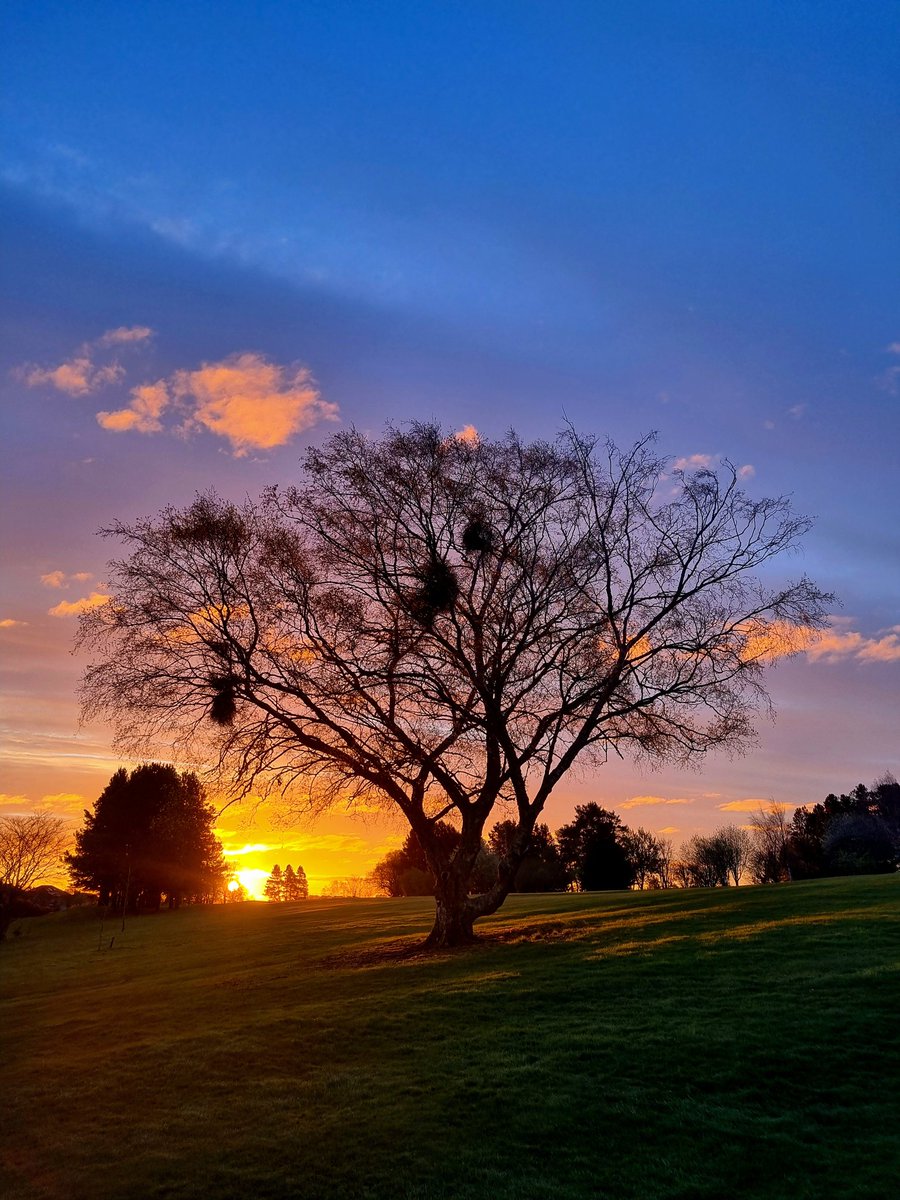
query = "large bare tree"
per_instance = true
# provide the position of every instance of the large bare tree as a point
(444, 624)
(31, 847)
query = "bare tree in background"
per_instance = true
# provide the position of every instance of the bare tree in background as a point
(31, 847)
(737, 847)
(664, 871)
(441, 624)
(770, 861)
(643, 851)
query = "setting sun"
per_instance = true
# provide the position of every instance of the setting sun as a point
(253, 881)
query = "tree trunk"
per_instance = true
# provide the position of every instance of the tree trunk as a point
(455, 912)
(452, 924)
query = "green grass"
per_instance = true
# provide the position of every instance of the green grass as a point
(736, 1043)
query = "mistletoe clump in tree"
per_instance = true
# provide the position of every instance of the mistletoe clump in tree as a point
(443, 625)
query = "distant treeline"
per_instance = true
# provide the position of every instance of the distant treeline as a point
(852, 834)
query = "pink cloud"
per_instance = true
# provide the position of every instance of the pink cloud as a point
(76, 377)
(836, 644)
(59, 579)
(79, 375)
(124, 334)
(694, 462)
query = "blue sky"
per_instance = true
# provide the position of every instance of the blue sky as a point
(635, 216)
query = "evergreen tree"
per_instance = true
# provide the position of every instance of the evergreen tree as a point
(295, 885)
(302, 884)
(275, 885)
(151, 833)
(592, 848)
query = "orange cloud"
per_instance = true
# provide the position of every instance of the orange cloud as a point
(752, 804)
(767, 641)
(66, 609)
(9, 623)
(468, 434)
(148, 402)
(650, 801)
(253, 403)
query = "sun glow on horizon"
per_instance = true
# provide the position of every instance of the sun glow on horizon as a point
(253, 880)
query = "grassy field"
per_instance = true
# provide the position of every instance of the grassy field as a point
(678, 1044)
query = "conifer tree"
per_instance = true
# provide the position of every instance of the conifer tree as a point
(274, 889)
(301, 884)
(290, 883)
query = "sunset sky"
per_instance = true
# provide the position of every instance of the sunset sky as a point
(231, 229)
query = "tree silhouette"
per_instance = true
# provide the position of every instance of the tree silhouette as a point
(31, 845)
(593, 847)
(275, 885)
(439, 625)
(301, 885)
(541, 868)
(151, 832)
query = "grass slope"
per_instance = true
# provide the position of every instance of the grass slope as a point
(736, 1043)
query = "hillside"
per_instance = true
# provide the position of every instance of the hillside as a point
(628, 1045)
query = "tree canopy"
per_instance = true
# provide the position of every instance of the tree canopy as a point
(595, 849)
(151, 832)
(438, 624)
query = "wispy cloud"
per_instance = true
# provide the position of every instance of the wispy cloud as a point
(76, 377)
(254, 848)
(333, 843)
(59, 579)
(70, 803)
(75, 607)
(796, 411)
(652, 801)
(835, 644)
(11, 623)
(769, 641)
(14, 804)
(752, 804)
(747, 471)
(80, 374)
(124, 334)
